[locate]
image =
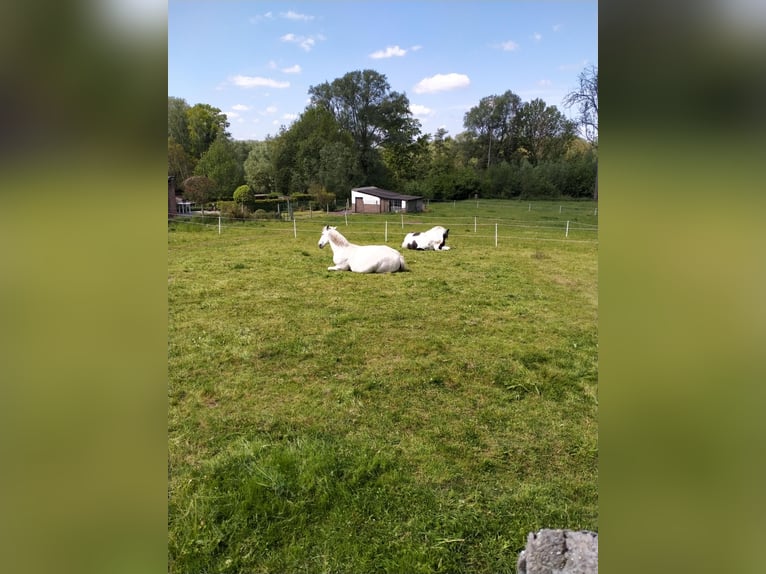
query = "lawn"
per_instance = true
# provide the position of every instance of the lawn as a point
(426, 421)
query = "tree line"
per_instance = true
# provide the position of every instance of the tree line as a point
(357, 131)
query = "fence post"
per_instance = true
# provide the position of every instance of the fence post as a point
(530, 207)
(295, 229)
(386, 230)
(559, 209)
(567, 233)
(219, 224)
(474, 224)
(402, 220)
(495, 234)
(346, 214)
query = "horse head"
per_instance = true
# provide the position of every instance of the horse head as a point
(325, 238)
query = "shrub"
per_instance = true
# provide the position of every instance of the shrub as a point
(233, 210)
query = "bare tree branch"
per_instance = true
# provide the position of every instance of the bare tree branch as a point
(586, 98)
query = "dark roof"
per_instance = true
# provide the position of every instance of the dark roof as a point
(385, 194)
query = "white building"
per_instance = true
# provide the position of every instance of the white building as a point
(377, 200)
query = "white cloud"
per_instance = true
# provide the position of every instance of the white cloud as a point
(441, 83)
(290, 15)
(232, 115)
(545, 83)
(389, 52)
(305, 42)
(537, 36)
(240, 107)
(296, 69)
(290, 117)
(557, 27)
(416, 47)
(257, 18)
(568, 67)
(509, 46)
(271, 109)
(258, 82)
(272, 65)
(418, 110)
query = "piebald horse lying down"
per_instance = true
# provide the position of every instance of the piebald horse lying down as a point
(435, 238)
(360, 258)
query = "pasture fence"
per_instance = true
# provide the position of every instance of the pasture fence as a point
(496, 229)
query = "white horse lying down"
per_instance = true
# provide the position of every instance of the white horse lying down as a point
(360, 258)
(435, 238)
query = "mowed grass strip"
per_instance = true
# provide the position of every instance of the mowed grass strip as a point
(416, 422)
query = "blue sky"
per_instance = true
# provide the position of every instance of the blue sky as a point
(255, 60)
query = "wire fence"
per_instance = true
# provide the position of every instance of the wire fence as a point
(392, 227)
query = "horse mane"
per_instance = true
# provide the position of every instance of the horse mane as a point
(338, 238)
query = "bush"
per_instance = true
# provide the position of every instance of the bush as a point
(244, 195)
(233, 210)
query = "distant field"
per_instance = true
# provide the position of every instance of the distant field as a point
(417, 422)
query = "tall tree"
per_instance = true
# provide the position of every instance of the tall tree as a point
(178, 122)
(493, 122)
(205, 124)
(544, 132)
(180, 164)
(585, 97)
(408, 161)
(363, 104)
(301, 157)
(259, 166)
(221, 164)
(338, 169)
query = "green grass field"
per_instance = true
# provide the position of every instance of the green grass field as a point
(426, 421)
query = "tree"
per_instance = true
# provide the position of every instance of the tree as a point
(221, 164)
(338, 169)
(205, 125)
(259, 167)
(178, 122)
(243, 195)
(363, 104)
(493, 122)
(314, 150)
(408, 161)
(544, 133)
(180, 164)
(199, 189)
(585, 97)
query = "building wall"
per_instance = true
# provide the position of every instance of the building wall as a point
(371, 204)
(374, 204)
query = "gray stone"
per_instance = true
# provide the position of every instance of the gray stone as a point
(559, 552)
